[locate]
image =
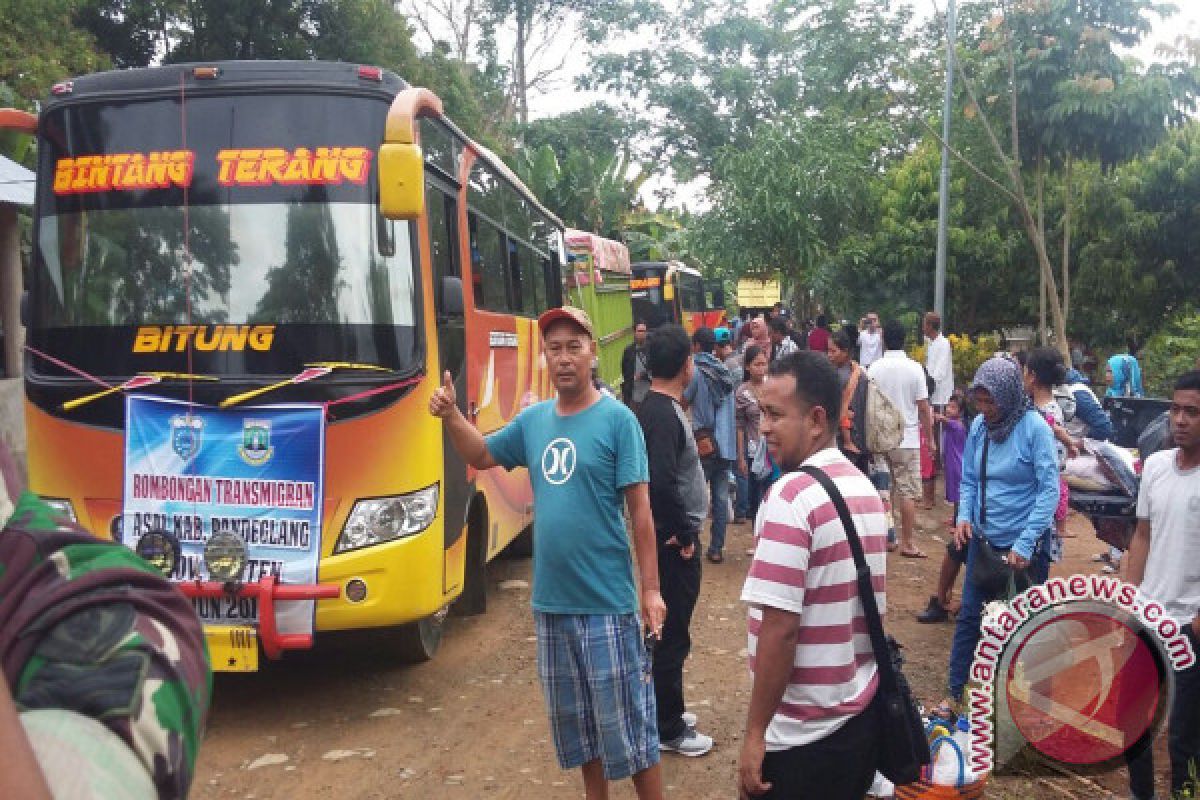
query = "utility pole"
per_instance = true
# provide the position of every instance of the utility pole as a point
(939, 278)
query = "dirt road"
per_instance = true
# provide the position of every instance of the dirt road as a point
(345, 721)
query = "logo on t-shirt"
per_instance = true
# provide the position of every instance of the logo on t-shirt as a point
(558, 461)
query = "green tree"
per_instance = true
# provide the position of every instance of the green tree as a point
(582, 165)
(714, 73)
(788, 197)
(1056, 90)
(1141, 226)
(40, 45)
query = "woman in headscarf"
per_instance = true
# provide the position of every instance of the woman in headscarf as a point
(1124, 376)
(1011, 505)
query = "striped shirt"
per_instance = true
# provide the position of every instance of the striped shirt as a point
(803, 565)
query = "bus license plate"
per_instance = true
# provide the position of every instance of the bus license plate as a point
(233, 649)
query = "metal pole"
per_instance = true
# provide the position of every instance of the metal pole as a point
(939, 279)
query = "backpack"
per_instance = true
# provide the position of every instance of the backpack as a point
(1064, 395)
(885, 423)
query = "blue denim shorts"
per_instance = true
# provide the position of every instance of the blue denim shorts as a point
(596, 678)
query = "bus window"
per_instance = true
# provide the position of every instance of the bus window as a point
(488, 265)
(515, 301)
(533, 283)
(552, 277)
(441, 149)
(483, 194)
(441, 209)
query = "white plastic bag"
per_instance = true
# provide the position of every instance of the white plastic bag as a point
(949, 763)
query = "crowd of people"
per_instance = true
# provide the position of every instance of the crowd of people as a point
(622, 491)
(730, 425)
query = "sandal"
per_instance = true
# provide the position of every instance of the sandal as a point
(913, 554)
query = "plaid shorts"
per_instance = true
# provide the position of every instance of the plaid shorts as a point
(596, 679)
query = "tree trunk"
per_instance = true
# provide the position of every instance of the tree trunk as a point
(522, 87)
(1040, 187)
(1039, 247)
(1066, 251)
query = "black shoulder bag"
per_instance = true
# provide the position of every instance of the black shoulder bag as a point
(991, 571)
(903, 749)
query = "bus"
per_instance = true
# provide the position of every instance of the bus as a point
(247, 281)
(597, 280)
(672, 292)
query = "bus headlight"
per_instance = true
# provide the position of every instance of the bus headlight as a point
(225, 557)
(384, 519)
(62, 507)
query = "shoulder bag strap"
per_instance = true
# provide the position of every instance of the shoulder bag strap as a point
(866, 592)
(983, 484)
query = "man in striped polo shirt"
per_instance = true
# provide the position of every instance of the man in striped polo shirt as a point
(811, 728)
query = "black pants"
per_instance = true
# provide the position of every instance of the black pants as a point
(839, 767)
(1183, 735)
(679, 582)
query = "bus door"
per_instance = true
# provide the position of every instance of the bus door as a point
(442, 152)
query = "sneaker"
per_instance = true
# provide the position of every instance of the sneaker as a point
(934, 612)
(688, 718)
(690, 743)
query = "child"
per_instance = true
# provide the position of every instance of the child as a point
(954, 436)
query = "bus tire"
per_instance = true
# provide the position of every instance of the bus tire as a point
(417, 642)
(522, 545)
(473, 600)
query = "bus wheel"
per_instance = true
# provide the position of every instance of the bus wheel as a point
(418, 641)
(522, 545)
(473, 600)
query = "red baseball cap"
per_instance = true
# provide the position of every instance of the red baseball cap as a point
(569, 313)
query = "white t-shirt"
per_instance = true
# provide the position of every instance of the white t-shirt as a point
(940, 363)
(1170, 499)
(903, 381)
(870, 347)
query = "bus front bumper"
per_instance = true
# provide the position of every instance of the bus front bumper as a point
(235, 648)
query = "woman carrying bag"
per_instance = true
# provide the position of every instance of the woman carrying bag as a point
(1007, 498)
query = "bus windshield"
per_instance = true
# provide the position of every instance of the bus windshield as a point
(213, 215)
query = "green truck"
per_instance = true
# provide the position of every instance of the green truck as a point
(597, 280)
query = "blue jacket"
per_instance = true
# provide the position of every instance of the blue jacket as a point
(1022, 484)
(1088, 409)
(710, 398)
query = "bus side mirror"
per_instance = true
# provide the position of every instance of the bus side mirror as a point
(25, 309)
(452, 296)
(401, 180)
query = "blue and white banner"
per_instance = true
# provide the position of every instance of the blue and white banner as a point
(255, 472)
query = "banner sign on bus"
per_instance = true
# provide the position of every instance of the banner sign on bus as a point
(255, 472)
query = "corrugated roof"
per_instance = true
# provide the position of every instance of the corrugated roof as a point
(16, 183)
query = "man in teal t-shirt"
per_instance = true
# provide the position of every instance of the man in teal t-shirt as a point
(584, 452)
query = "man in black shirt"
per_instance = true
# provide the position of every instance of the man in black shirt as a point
(679, 503)
(635, 378)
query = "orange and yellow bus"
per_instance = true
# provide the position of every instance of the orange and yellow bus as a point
(672, 292)
(244, 233)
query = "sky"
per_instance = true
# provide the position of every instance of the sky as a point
(564, 97)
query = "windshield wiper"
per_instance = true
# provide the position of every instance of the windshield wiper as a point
(136, 382)
(317, 369)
